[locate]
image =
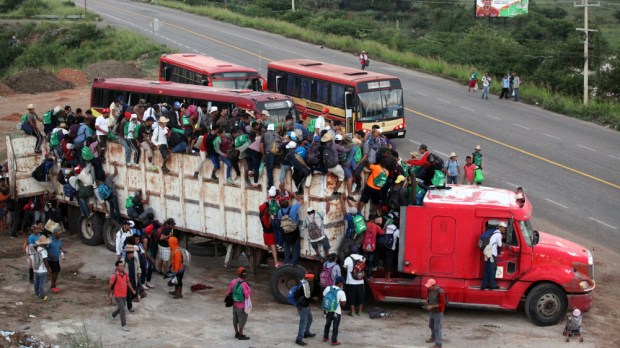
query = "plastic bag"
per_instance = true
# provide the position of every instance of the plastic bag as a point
(439, 179)
(248, 306)
(478, 176)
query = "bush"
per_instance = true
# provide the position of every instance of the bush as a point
(31, 8)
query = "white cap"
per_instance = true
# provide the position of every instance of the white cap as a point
(213, 109)
(291, 145)
(338, 137)
(271, 126)
(576, 312)
(70, 146)
(133, 117)
(272, 191)
(520, 195)
(502, 224)
(56, 109)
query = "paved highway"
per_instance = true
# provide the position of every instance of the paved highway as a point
(570, 169)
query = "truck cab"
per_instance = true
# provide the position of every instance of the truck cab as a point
(440, 240)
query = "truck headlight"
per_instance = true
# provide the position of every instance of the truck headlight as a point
(584, 284)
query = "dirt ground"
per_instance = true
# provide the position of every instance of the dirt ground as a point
(80, 311)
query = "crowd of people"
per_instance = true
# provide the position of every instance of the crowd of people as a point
(510, 82)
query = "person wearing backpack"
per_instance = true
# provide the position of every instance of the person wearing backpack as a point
(331, 271)
(222, 144)
(302, 303)
(241, 292)
(313, 224)
(334, 299)
(376, 180)
(269, 148)
(490, 258)
(119, 284)
(351, 234)
(106, 193)
(355, 265)
(178, 268)
(452, 169)
(435, 305)
(332, 160)
(40, 265)
(29, 126)
(121, 237)
(392, 233)
(56, 137)
(291, 239)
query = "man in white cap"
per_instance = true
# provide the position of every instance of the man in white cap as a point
(121, 237)
(490, 257)
(29, 126)
(476, 157)
(452, 169)
(436, 305)
(269, 147)
(160, 139)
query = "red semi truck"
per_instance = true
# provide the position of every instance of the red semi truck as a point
(440, 240)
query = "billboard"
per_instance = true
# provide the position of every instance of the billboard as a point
(501, 8)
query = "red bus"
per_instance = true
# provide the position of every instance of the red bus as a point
(196, 69)
(359, 98)
(104, 91)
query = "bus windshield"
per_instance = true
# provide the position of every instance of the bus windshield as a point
(233, 84)
(277, 109)
(380, 105)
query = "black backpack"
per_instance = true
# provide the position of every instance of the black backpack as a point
(435, 161)
(39, 173)
(329, 156)
(314, 155)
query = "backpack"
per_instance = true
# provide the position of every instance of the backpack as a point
(84, 191)
(312, 125)
(241, 140)
(187, 257)
(387, 240)
(104, 191)
(325, 278)
(36, 256)
(47, 117)
(287, 224)
(330, 300)
(274, 207)
(314, 231)
(329, 157)
(292, 295)
(441, 291)
(380, 179)
(68, 190)
(485, 238)
(135, 132)
(369, 244)
(359, 269)
(25, 118)
(237, 293)
(314, 156)
(129, 202)
(39, 173)
(358, 154)
(55, 138)
(360, 224)
(439, 179)
(435, 161)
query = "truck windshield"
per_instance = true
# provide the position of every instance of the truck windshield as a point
(528, 232)
(381, 105)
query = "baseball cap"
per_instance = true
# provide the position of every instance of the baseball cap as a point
(423, 146)
(213, 109)
(265, 112)
(502, 224)
(291, 145)
(338, 137)
(430, 283)
(272, 191)
(177, 104)
(399, 179)
(241, 270)
(325, 110)
(310, 210)
(271, 127)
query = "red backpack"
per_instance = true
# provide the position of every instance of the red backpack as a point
(369, 243)
(325, 278)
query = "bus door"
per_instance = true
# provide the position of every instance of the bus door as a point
(348, 113)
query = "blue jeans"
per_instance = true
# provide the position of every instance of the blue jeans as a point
(229, 165)
(305, 321)
(332, 317)
(453, 179)
(270, 161)
(291, 252)
(125, 144)
(485, 92)
(254, 159)
(283, 169)
(83, 206)
(215, 159)
(324, 242)
(180, 148)
(39, 283)
(488, 277)
(434, 323)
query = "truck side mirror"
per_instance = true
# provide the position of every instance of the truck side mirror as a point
(535, 238)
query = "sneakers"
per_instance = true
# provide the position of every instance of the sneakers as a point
(125, 328)
(110, 318)
(325, 339)
(43, 298)
(430, 340)
(213, 177)
(149, 285)
(165, 170)
(243, 337)
(131, 310)
(229, 180)
(300, 343)
(309, 335)
(250, 173)
(336, 343)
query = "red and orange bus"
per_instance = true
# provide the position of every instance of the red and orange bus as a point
(104, 91)
(196, 69)
(359, 98)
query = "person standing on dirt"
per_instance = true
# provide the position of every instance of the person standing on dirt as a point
(32, 239)
(163, 250)
(119, 283)
(133, 269)
(121, 237)
(55, 252)
(304, 311)
(240, 291)
(38, 258)
(335, 316)
(29, 126)
(435, 305)
(178, 268)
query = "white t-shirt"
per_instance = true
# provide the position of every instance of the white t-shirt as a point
(103, 123)
(319, 124)
(391, 229)
(495, 241)
(348, 264)
(159, 136)
(340, 297)
(43, 254)
(130, 130)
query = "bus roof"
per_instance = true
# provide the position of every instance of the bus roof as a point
(204, 63)
(326, 71)
(182, 90)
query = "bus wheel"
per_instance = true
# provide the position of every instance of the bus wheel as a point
(546, 304)
(282, 279)
(110, 227)
(90, 229)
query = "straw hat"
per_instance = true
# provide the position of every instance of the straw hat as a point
(163, 119)
(43, 240)
(30, 106)
(452, 154)
(327, 137)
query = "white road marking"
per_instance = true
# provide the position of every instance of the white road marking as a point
(602, 223)
(441, 153)
(587, 148)
(424, 94)
(614, 157)
(466, 108)
(518, 125)
(551, 136)
(444, 101)
(509, 183)
(415, 142)
(491, 116)
(556, 203)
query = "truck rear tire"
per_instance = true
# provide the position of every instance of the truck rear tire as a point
(110, 227)
(282, 279)
(546, 304)
(90, 229)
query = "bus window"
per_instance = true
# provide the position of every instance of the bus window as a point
(306, 88)
(280, 84)
(292, 88)
(337, 96)
(322, 92)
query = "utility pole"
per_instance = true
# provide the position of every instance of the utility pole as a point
(586, 31)
(293, 5)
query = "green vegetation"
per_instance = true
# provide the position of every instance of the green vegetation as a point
(55, 45)
(444, 38)
(46, 8)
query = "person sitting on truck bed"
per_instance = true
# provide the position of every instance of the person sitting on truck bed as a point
(490, 258)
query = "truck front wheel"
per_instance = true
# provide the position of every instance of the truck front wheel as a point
(110, 227)
(546, 305)
(90, 229)
(282, 279)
